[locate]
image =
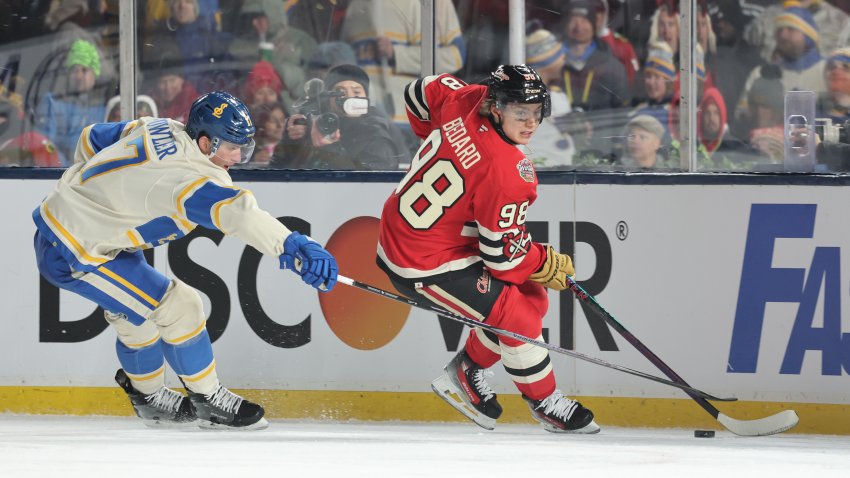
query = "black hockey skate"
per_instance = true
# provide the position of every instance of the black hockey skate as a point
(462, 385)
(560, 414)
(163, 408)
(223, 409)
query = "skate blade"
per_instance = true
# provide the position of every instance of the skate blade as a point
(262, 424)
(451, 394)
(589, 429)
(170, 425)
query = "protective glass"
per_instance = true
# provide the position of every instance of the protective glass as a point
(522, 112)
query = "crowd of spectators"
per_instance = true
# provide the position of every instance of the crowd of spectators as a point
(612, 67)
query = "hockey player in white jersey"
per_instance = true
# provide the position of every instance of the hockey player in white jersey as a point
(140, 184)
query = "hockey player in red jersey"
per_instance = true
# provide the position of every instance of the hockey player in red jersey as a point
(454, 231)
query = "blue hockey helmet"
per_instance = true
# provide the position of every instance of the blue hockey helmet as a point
(223, 118)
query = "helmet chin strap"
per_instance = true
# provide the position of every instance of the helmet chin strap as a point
(497, 125)
(213, 146)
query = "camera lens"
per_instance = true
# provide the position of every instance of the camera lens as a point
(327, 123)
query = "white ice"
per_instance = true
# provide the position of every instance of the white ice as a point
(41, 446)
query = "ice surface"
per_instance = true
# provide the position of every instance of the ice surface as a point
(43, 446)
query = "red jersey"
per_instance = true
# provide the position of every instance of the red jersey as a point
(466, 194)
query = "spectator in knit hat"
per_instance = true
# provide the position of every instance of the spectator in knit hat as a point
(833, 26)
(644, 135)
(705, 32)
(593, 78)
(271, 126)
(544, 53)
(328, 55)
(145, 106)
(62, 117)
(797, 39)
(762, 122)
(659, 74)
(390, 51)
(703, 81)
(203, 49)
(719, 147)
(619, 45)
(83, 63)
(796, 54)
(171, 92)
(262, 32)
(552, 144)
(262, 87)
(835, 104)
(665, 26)
(364, 139)
(735, 57)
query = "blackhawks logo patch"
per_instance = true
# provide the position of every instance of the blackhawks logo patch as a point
(526, 170)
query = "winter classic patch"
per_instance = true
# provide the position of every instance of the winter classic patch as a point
(526, 170)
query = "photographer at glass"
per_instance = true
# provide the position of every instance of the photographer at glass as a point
(336, 128)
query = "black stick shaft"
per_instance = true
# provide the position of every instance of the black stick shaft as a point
(693, 392)
(600, 311)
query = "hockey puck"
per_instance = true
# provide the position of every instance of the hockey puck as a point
(704, 433)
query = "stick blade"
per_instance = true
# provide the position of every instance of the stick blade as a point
(778, 423)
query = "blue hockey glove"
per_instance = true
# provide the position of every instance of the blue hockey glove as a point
(312, 262)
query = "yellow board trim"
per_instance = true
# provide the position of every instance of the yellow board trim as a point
(823, 419)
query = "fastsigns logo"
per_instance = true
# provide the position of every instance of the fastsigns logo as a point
(761, 283)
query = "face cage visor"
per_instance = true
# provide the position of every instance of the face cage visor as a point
(245, 150)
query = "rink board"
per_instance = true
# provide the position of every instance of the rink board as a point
(739, 288)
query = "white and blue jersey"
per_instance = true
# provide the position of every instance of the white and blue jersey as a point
(140, 184)
(135, 185)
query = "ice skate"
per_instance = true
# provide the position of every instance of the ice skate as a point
(560, 414)
(462, 385)
(164, 408)
(223, 409)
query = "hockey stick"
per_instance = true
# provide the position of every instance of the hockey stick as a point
(770, 425)
(507, 333)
